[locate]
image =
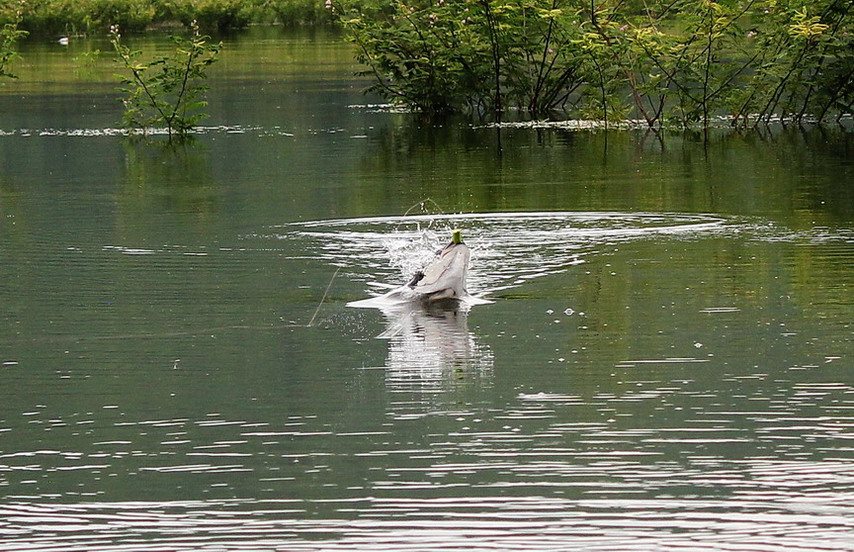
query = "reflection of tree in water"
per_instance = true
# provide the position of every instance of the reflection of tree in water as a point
(432, 353)
(175, 178)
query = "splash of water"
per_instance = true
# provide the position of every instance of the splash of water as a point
(507, 249)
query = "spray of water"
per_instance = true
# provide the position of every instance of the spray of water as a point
(507, 249)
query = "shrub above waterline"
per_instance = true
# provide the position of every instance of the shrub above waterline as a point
(69, 17)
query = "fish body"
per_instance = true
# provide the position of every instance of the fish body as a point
(441, 283)
(445, 277)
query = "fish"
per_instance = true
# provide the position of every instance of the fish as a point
(445, 277)
(443, 280)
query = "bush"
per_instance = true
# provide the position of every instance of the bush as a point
(95, 16)
(50, 16)
(128, 14)
(300, 12)
(220, 15)
(9, 36)
(168, 91)
(678, 62)
(483, 55)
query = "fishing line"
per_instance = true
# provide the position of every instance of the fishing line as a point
(422, 205)
(322, 299)
(156, 335)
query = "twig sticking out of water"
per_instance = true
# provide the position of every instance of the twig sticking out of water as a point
(322, 299)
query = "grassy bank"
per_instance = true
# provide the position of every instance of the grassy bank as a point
(72, 17)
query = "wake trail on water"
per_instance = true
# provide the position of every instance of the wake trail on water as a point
(507, 249)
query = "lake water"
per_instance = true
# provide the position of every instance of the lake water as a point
(666, 363)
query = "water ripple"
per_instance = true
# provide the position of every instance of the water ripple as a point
(508, 249)
(451, 523)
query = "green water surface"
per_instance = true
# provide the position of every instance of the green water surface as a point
(666, 363)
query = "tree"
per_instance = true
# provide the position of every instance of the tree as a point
(169, 91)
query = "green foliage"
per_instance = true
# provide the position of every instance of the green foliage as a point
(680, 62)
(449, 55)
(83, 16)
(222, 14)
(168, 91)
(95, 16)
(128, 14)
(298, 12)
(9, 36)
(664, 62)
(807, 64)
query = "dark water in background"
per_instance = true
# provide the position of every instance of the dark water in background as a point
(667, 363)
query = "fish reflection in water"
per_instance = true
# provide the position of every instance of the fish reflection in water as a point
(429, 340)
(432, 354)
(433, 357)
